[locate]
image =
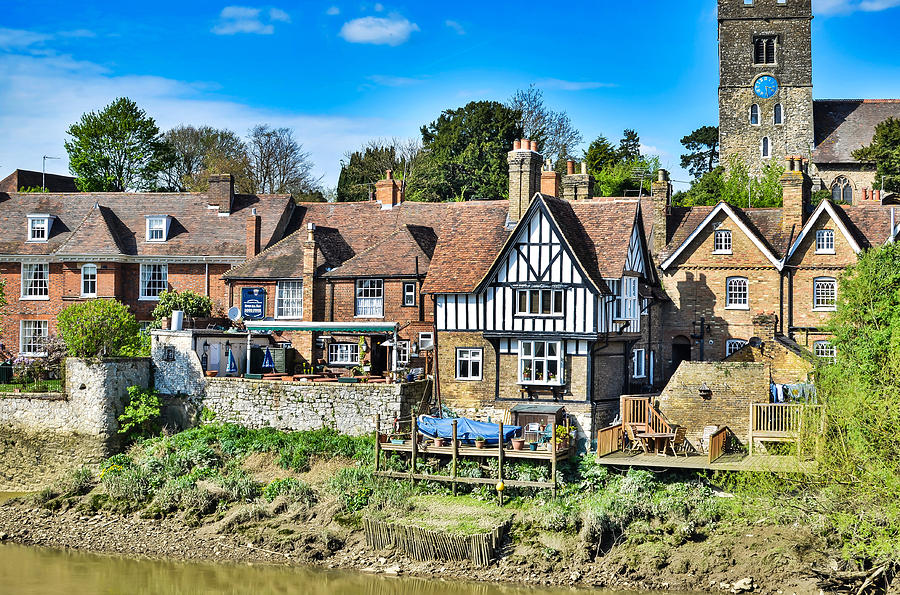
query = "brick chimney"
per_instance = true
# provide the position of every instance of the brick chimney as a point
(550, 180)
(254, 225)
(764, 326)
(388, 192)
(524, 177)
(221, 192)
(578, 186)
(797, 194)
(661, 192)
(310, 263)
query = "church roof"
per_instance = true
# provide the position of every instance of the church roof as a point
(845, 125)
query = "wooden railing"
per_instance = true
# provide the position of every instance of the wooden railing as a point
(717, 444)
(640, 411)
(784, 422)
(609, 440)
(658, 423)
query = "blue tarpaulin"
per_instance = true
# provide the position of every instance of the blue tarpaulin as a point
(466, 429)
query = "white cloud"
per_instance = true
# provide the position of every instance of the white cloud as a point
(826, 7)
(333, 11)
(78, 33)
(19, 39)
(563, 85)
(247, 19)
(393, 30)
(393, 81)
(456, 27)
(379, 7)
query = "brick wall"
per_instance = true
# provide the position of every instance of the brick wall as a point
(785, 366)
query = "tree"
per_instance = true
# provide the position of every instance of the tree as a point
(464, 153)
(629, 146)
(599, 154)
(552, 130)
(703, 151)
(361, 169)
(99, 328)
(278, 164)
(885, 152)
(192, 304)
(117, 149)
(736, 187)
(198, 152)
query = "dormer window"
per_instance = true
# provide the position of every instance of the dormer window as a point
(158, 228)
(39, 227)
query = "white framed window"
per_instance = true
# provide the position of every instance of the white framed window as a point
(722, 241)
(469, 363)
(426, 340)
(638, 364)
(402, 352)
(539, 302)
(157, 228)
(630, 299)
(89, 280)
(31, 337)
(343, 354)
(824, 293)
(615, 286)
(754, 115)
(289, 299)
(35, 281)
(541, 362)
(370, 298)
(778, 116)
(154, 280)
(38, 228)
(737, 296)
(824, 350)
(825, 241)
(765, 148)
(409, 294)
(732, 346)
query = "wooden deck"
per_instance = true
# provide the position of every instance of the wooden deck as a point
(471, 451)
(727, 462)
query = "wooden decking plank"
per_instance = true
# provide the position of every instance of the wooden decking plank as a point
(728, 462)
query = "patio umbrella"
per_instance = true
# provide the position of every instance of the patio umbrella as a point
(268, 361)
(232, 364)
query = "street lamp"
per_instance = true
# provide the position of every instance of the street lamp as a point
(44, 171)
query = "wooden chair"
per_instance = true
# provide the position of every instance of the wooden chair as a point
(679, 442)
(708, 431)
(635, 444)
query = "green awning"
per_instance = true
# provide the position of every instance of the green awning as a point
(321, 327)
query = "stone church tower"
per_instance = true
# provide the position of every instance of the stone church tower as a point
(765, 81)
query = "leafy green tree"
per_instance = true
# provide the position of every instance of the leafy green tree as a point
(736, 187)
(599, 154)
(553, 130)
(706, 190)
(464, 153)
(619, 179)
(629, 146)
(703, 151)
(116, 149)
(99, 328)
(142, 415)
(361, 169)
(191, 303)
(199, 152)
(885, 152)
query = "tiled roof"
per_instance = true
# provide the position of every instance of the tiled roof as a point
(843, 126)
(120, 221)
(605, 234)
(870, 224)
(360, 235)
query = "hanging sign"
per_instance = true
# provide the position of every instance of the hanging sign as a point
(253, 303)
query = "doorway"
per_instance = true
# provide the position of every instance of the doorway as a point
(379, 355)
(681, 351)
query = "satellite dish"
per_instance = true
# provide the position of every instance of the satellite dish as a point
(234, 313)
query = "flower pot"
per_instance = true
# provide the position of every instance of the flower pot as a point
(439, 442)
(382, 438)
(532, 446)
(518, 443)
(212, 373)
(396, 441)
(479, 443)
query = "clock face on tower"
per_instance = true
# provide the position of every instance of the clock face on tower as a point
(765, 86)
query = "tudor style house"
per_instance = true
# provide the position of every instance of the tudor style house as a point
(339, 287)
(546, 301)
(723, 266)
(57, 249)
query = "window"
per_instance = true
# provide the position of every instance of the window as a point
(402, 352)
(630, 299)
(764, 50)
(370, 298)
(842, 191)
(89, 280)
(157, 229)
(35, 280)
(825, 241)
(732, 346)
(824, 350)
(638, 369)
(736, 294)
(409, 294)
(765, 148)
(722, 241)
(539, 302)
(426, 341)
(615, 286)
(468, 364)
(343, 354)
(289, 299)
(38, 228)
(824, 293)
(31, 337)
(154, 280)
(779, 114)
(540, 362)
(754, 115)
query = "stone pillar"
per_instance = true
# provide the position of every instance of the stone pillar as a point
(524, 177)
(797, 194)
(661, 192)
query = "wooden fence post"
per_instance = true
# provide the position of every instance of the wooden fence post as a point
(415, 449)
(455, 455)
(500, 460)
(553, 457)
(377, 442)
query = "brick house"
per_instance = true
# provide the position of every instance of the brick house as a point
(351, 271)
(723, 265)
(548, 300)
(58, 249)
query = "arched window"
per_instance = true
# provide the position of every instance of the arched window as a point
(779, 114)
(842, 190)
(754, 115)
(766, 149)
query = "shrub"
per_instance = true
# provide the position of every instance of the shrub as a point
(141, 418)
(99, 328)
(128, 483)
(293, 489)
(192, 304)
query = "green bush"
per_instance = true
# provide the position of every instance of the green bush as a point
(141, 418)
(128, 482)
(290, 488)
(192, 304)
(99, 328)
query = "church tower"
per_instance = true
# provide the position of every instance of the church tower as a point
(765, 81)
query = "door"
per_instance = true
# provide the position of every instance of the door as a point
(379, 355)
(681, 351)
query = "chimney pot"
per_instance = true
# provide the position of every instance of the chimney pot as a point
(534, 146)
(584, 167)
(389, 175)
(876, 195)
(570, 167)
(517, 145)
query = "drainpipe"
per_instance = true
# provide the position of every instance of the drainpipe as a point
(247, 369)
(781, 303)
(790, 304)
(207, 279)
(434, 350)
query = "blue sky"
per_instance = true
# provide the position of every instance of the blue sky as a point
(341, 72)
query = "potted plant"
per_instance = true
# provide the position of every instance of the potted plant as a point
(562, 438)
(480, 442)
(397, 439)
(382, 437)
(532, 446)
(438, 441)
(518, 443)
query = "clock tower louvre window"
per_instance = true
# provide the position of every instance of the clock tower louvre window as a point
(764, 50)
